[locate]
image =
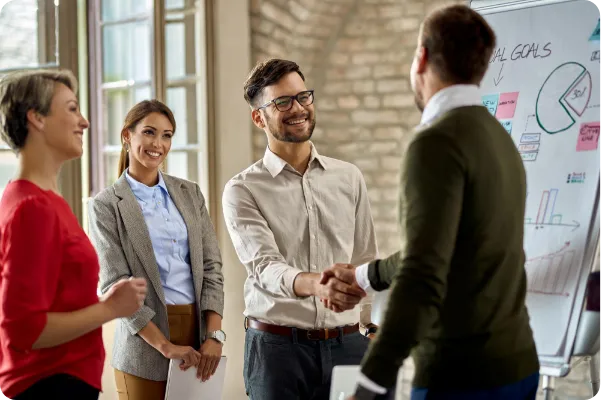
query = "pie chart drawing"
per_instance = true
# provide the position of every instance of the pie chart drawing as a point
(563, 97)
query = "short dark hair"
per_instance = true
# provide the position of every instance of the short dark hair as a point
(459, 43)
(266, 73)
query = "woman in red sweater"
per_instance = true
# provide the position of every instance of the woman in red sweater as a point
(50, 315)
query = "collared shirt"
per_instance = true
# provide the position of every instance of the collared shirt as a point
(445, 100)
(451, 97)
(169, 237)
(283, 223)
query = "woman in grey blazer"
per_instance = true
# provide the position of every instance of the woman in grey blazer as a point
(152, 225)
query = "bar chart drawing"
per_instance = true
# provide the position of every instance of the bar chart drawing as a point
(547, 216)
(550, 274)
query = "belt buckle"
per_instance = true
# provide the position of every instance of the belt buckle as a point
(327, 334)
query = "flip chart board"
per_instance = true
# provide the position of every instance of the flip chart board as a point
(543, 85)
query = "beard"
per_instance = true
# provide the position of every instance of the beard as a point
(283, 135)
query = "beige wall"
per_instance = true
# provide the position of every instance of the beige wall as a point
(233, 140)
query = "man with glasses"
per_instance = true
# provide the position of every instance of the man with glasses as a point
(290, 215)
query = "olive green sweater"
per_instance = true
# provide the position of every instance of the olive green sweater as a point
(457, 301)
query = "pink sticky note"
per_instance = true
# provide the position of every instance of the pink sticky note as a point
(588, 138)
(507, 104)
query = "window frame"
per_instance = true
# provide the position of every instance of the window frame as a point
(159, 18)
(67, 29)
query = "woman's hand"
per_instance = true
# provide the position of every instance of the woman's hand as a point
(125, 297)
(189, 356)
(210, 353)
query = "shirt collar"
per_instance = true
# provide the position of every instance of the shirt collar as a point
(275, 164)
(140, 190)
(449, 98)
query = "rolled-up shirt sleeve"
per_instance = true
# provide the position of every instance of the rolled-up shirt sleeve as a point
(30, 268)
(255, 243)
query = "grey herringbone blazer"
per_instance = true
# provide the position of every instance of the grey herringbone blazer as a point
(120, 235)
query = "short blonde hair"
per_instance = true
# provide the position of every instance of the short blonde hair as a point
(27, 90)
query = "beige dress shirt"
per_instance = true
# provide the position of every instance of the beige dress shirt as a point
(283, 223)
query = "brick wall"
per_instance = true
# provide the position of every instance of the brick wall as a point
(357, 54)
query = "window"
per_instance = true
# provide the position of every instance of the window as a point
(28, 40)
(147, 49)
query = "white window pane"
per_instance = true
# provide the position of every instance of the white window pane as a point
(177, 164)
(22, 42)
(176, 50)
(142, 93)
(174, 4)
(117, 103)
(111, 163)
(8, 168)
(176, 101)
(126, 52)
(113, 10)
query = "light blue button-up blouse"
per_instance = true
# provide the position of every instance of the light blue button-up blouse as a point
(169, 237)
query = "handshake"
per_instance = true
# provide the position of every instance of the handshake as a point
(338, 289)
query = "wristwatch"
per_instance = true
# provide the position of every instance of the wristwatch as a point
(363, 393)
(216, 335)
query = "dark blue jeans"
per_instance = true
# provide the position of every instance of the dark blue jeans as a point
(292, 368)
(521, 390)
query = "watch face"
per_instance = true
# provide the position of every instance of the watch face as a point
(220, 335)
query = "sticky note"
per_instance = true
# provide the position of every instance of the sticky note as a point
(529, 156)
(491, 101)
(528, 147)
(530, 137)
(588, 138)
(507, 124)
(595, 35)
(507, 105)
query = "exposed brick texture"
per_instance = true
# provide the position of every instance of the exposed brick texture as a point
(356, 54)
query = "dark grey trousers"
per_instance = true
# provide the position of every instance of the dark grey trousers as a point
(292, 368)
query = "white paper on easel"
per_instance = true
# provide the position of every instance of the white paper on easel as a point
(184, 385)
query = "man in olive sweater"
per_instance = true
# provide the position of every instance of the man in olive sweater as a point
(458, 286)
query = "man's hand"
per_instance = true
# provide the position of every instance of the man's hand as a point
(339, 289)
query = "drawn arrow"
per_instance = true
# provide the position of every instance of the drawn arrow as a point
(528, 121)
(498, 79)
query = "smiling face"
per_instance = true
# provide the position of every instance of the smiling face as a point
(149, 142)
(64, 125)
(295, 125)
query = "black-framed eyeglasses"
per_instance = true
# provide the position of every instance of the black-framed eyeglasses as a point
(284, 103)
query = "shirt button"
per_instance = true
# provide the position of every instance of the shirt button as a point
(174, 240)
(310, 207)
(314, 236)
(313, 267)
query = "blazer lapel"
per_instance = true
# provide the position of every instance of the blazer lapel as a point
(136, 228)
(184, 201)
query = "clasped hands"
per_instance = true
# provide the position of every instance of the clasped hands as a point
(206, 359)
(338, 289)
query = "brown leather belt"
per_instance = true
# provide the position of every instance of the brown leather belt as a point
(314, 334)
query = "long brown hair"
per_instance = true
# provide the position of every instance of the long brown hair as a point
(133, 117)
